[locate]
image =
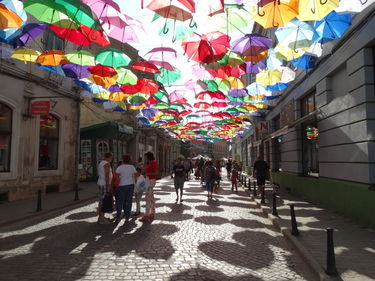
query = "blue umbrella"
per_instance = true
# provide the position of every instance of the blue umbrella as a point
(331, 27)
(55, 69)
(277, 87)
(305, 62)
(10, 35)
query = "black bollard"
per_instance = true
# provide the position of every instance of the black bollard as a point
(263, 200)
(255, 190)
(331, 261)
(295, 231)
(39, 202)
(274, 205)
(249, 184)
(244, 182)
(76, 195)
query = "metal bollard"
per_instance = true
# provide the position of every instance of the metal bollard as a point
(331, 261)
(244, 182)
(39, 201)
(295, 231)
(255, 190)
(76, 195)
(274, 205)
(263, 200)
(249, 184)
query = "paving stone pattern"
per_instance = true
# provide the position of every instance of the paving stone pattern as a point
(224, 239)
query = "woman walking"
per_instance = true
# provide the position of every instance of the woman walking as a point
(125, 191)
(151, 172)
(210, 176)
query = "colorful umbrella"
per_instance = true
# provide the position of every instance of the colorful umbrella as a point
(235, 82)
(332, 27)
(251, 44)
(30, 32)
(296, 34)
(313, 10)
(176, 29)
(80, 57)
(72, 35)
(287, 54)
(101, 70)
(177, 96)
(268, 77)
(238, 93)
(25, 55)
(125, 76)
(145, 66)
(255, 67)
(167, 76)
(305, 62)
(103, 81)
(75, 71)
(8, 18)
(52, 57)
(206, 48)
(112, 57)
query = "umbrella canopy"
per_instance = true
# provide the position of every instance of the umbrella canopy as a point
(101, 70)
(52, 57)
(255, 67)
(206, 48)
(173, 9)
(251, 44)
(305, 62)
(332, 27)
(80, 57)
(296, 34)
(8, 18)
(145, 66)
(30, 31)
(268, 77)
(103, 81)
(73, 35)
(112, 57)
(235, 82)
(276, 13)
(125, 76)
(75, 71)
(25, 55)
(176, 29)
(167, 76)
(285, 53)
(313, 10)
(177, 96)
(238, 93)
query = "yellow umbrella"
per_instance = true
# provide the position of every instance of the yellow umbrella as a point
(250, 107)
(52, 57)
(268, 77)
(8, 18)
(102, 95)
(235, 82)
(277, 13)
(285, 53)
(118, 96)
(25, 55)
(261, 105)
(310, 10)
(103, 81)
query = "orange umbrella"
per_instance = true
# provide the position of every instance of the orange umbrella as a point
(235, 82)
(8, 18)
(118, 96)
(277, 13)
(257, 57)
(52, 57)
(103, 81)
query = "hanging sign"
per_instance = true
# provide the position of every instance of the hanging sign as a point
(40, 108)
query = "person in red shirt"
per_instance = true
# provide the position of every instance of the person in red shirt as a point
(151, 172)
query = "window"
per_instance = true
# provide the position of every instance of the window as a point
(102, 148)
(86, 156)
(310, 150)
(5, 137)
(308, 104)
(276, 123)
(52, 41)
(48, 142)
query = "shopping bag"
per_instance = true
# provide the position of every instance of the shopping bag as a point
(107, 204)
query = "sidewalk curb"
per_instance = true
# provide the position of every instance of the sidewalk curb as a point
(46, 213)
(310, 261)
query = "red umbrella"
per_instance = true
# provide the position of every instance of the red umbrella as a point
(211, 94)
(210, 8)
(171, 112)
(146, 86)
(221, 115)
(151, 101)
(206, 48)
(173, 9)
(184, 113)
(145, 66)
(101, 70)
(73, 35)
(95, 36)
(227, 70)
(202, 105)
(129, 89)
(219, 104)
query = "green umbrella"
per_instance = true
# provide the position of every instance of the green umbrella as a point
(167, 117)
(46, 11)
(234, 18)
(167, 76)
(162, 96)
(137, 98)
(161, 105)
(125, 76)
(112, 57)
(223, 85)
(80, 57)
(176, 29)
(176, 106)
(79, 12)
(211, 85)
(191, 116)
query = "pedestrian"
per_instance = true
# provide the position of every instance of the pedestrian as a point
(260, 171)
(218, 175)
(140, 164)
(104, 184)
(151, 173)
(138, 192)
(125, 191)
(187, 168)
(210, 176)
(179, 178)
(234, 178)
(229, 168)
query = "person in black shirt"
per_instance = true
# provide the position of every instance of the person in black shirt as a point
(229, 168)
(179, 178)
(260, 172)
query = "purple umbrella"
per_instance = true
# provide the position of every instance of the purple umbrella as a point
(30, 32)
(114, 88)
(251, 44)
(75, 71)
(238, 93)
(255, 67)
(149, 112)
(236, 103)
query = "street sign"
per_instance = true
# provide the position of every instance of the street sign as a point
(40, 108)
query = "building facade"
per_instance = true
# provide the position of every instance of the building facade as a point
(321, 135)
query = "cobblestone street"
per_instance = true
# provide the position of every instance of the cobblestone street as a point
(223, 239)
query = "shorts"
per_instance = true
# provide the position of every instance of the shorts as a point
(102, 192)
(261, 181)
(210, 185)
(179, 182)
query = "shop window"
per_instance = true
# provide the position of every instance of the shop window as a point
(48, 142)
(310, 150)
(86, 158)
(308, 104)
(102, 148)
(5, 137)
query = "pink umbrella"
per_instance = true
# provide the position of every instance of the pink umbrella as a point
(162, 56)
(177, 96)
(129, 31)
(201, 73)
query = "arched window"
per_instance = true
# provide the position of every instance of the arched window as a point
(5, 137)
(48, 142)
(102, 148)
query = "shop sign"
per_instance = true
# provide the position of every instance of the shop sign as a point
(125, 129)
(40, 108)
(262, 126)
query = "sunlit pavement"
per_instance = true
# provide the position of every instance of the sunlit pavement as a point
(223, 239)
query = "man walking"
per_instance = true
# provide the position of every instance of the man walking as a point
(260, 172)
(104, 183)
(179, 178)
